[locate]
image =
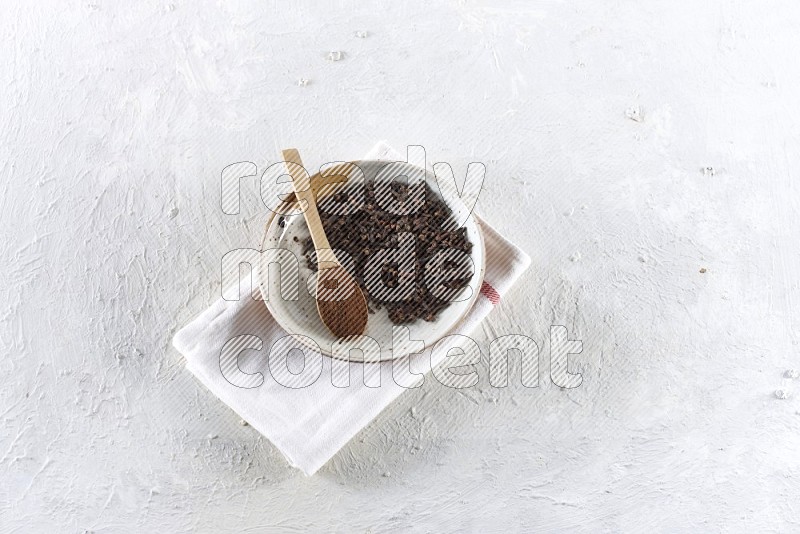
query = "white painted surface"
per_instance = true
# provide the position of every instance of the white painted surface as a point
(594, 120)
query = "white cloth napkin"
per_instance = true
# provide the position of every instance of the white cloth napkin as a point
(310, 424)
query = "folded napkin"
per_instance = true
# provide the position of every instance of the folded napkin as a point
(310, 424)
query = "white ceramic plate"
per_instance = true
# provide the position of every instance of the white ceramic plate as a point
(298, 316)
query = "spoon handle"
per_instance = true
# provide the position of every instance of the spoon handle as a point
(301, 182)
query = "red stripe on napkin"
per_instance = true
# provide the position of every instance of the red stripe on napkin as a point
(490, 293)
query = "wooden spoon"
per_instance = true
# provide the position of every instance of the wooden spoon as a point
(340, 302)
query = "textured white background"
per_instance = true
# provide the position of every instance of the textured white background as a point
(116, 123)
